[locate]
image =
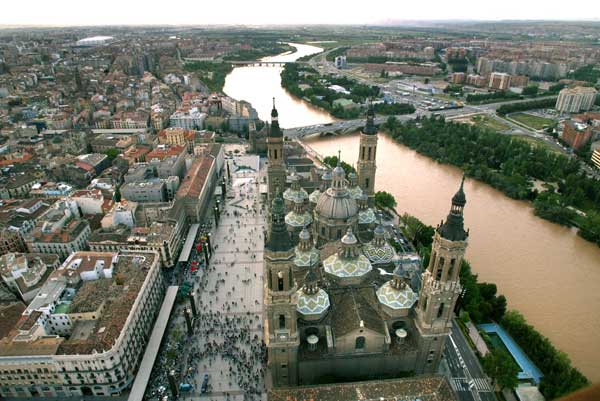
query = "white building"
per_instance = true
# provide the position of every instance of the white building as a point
(192, 119)
(574, 100)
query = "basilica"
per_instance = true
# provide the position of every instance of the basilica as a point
(341, 304)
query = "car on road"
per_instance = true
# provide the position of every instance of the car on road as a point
(204, 386)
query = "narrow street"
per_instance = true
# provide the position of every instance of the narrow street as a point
(466, 376)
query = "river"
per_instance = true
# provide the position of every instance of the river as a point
(258, 85)
(546, 271)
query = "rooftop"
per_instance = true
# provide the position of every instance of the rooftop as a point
(425, 388)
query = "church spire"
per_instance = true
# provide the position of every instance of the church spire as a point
(275, 131)
(370, 128)
(453, 229)
(279, 238)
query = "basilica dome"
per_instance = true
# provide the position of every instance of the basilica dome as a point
(336, 202)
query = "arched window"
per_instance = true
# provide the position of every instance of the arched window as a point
(451, 269)
(275, 153)
(441, 310)
(369, 153)
(280, 281)
(440, 269)
(281, 322)
(360, 343)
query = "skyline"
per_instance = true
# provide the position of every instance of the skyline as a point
(270, 12)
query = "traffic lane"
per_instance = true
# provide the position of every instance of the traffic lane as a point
(465, 350)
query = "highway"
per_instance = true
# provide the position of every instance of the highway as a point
(466, 375)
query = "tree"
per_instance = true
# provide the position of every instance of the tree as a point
(332, 161)
(117, 195)
(385, 199)
(112, 153)
(503, 370)
(418, 233)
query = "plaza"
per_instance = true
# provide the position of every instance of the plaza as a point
(227, 344)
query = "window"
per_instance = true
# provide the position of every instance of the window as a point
(451, 268)
(275, 153)
(441, 310)
(339, 234)
(281, 322)
(280, 281)
(369, 154)
(360, 343)
(366, 183)
(363, 153)
(440, 269)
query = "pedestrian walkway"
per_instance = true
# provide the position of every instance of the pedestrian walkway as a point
(464, 384)
(227, 344)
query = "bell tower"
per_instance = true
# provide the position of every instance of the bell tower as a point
(440, 286)
(366, 166)
(281, 331)
(276, 171)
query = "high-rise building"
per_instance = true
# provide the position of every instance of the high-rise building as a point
(575, 134)
(367, 153)
(574, 100)
(499, 81)
(276, 170)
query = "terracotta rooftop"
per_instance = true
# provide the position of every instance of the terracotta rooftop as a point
(164, 152)
(195, 178)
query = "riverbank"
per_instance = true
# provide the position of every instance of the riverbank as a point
(343, 97)
(511, 167)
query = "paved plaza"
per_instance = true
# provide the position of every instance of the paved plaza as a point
(228, 338)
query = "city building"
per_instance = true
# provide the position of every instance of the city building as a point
(574, 100)
(575, 134)
(86, 330)
(476, 80)
(25, 273)
(145, 191)
(191, 119)
(499, 81)
(458, 78)
(61, 231)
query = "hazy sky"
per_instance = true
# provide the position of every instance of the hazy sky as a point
(106, 12)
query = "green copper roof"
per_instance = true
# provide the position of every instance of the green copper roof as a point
(279, 238)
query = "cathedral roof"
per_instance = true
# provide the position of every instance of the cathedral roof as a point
(396, 298)
(343, 267)
(293, 194)
(352, 309)
(295, 219)
(312, 304)
(367, 216)
(314, 196)
(333, 206)
(379, 254)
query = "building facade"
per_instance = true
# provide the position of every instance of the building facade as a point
(574, 100)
